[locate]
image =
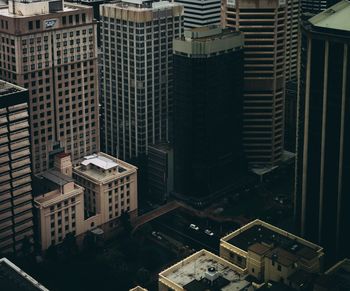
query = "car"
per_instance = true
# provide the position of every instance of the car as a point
(208, 232)
(193, 226)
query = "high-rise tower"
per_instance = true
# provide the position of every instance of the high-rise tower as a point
(201, 12)
(16, 215)
(50, 48)
(208, 77)
(137, 43)
(263, 24)
(322, 200)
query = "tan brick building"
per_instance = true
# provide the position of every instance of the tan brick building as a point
(60, 208)
(110, 189)
(271, 254)
(50, 48)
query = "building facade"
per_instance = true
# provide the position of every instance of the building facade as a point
(137, 41)
(160, 168)
(322, 172)
(110, 189)
(199, 13)
(208, 78)
(264, 26)
(60, 209)
(50, 48)
(16, 207)
(316, 6)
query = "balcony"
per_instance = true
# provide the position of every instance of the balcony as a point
(18, 115)
(21, 172)
(5, 223)
(4, 178)
(22, 208)
(22, 199)
(20, 153)
(19, 125)
(4, 139)
(20, 163)
(24, 226)
(20, 144)
(5, 196)
(5, 205)
(22, 190)
(19, 135)
(20, 181)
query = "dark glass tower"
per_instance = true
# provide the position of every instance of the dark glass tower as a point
(208, 80)
(322, 200)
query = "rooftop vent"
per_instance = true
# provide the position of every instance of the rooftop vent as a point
(211, 274)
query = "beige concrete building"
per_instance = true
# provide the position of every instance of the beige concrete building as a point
(50, 48)
(60, 208)
(271, 254)
(16, 215)
(263, 24)
(204, 271)
(110, 189)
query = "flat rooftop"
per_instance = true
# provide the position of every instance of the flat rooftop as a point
(205, 33)
(13, 278)
(98, 167)
(141, 5)
(335, 17)
(99, 161)
(57, 177)
(192, 274)
(8, 88)
(259, 236)
(67, 7)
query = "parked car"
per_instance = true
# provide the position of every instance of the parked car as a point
(193, 226)
(208, 232)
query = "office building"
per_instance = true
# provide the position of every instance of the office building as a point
(271, 254)
(323, 174)
(12, 278)
(208, 77)
(199, 13)
(203, 271)
(110, 189)
(336, 278)
(50, 48)
(316, 6)
(137, 74)
(59, 204)
(160, 170)
(264, 26)
(16, 217)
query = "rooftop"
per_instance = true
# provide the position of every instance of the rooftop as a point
(261, 237)
(99, 161)
(101, 167)
(205, 33)
(142, 5)
(13, 278)
(335, 17)
(204, 271)
(57, 177)
(8, 88)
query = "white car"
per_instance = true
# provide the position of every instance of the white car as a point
(208, 232)
(193, 226)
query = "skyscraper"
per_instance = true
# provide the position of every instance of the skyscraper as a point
(208, 77)
(137, 74)
(50, 48)
(201, 12)
(263, 24)
(322, 200)
(316, 6)
(16, 215)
